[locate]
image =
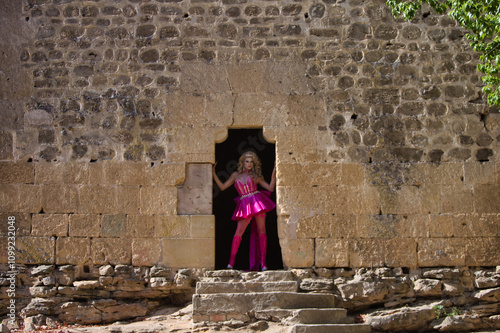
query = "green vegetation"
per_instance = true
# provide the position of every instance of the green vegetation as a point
(441, 311)
(481, 19)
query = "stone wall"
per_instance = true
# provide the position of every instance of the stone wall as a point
(110, 112)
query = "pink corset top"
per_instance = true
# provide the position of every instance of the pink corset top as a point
(247, 188)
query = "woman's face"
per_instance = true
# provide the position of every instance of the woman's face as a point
(248, 163)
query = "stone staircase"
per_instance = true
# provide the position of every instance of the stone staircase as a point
(272, 296)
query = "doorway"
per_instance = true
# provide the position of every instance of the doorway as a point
(227, 154)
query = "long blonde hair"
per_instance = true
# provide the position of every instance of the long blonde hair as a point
(256, 172)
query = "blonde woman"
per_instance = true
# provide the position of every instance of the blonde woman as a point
(250, 205)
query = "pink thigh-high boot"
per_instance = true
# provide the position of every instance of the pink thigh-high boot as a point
(263, 251)
(234, 249)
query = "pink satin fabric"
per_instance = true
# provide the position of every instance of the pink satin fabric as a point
(251, 202)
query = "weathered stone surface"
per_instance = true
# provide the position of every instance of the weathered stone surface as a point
(331, 253)
(413, 318)
(35, 250)
(297, 252)
(441, 252)
(188, 252)
(112, 251)
(50, 225)
(145, 252)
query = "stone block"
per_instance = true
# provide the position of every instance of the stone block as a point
(127, 173)
(141, 225)
(344, 226)
(171, 226)
(369, 199)
(287, 226)
(84, 225)
(128, 199)
(352, 174)
(294, 199)
(320, 174)
(297, 253)
(188, 253)
(198, 175)
(35, 250)
(50, 225)
(460, 199)
(96, 173)
(61, 198)
(72, 250)
(441, 226)
(170, 174)
(367, 252)
(4, 255)
(446, 173)
(9, 197)
(194, 140)
(415, 226)
(379, 226)
(194, 200)
(485, 199)
(476, 225)
(185, 110)
(246, 77)
(479, 173)
(76, 173)
(113, 225)
(305, 110)
(203, 78)
(429, 199)
(316, 226)
(112, 251)
(283, 77)
(146, 251)
(401, 252)
(49, 173)
(482, 251)
(20, 172)
(158, 200)
(337, 199)
(22, 223)
(30, 199)
(97, 199)
(6, 146)
(409, 200)
(441, 252)
(180, 157)
(332, 252)
(203, 226)
(219, 110)
(297, 145)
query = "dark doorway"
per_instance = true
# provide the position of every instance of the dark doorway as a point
(227, 154)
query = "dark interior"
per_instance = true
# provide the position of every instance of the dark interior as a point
(227, 154)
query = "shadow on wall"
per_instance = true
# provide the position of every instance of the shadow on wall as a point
(227, 154)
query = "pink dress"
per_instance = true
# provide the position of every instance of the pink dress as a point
(251, 202)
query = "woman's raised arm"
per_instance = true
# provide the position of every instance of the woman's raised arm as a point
(269, 186)
(227, 183)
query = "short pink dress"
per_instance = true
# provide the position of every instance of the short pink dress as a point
(251, 202)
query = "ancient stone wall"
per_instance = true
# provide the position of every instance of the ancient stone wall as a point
(110, 112)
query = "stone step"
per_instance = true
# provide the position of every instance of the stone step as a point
(209, 307)
(331, 328)
(245, 287)
(305, 316)
(232, 275)
(320, 316)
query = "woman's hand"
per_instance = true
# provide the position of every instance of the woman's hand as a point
(213, 168)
